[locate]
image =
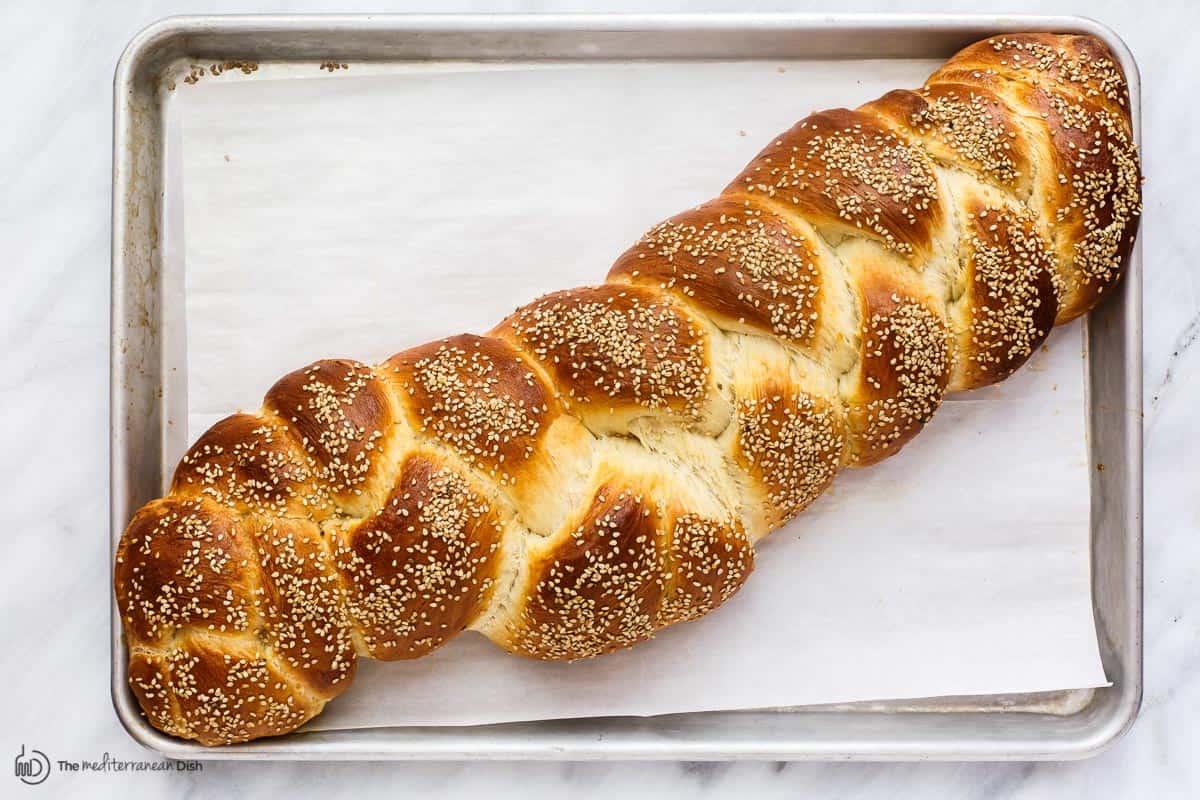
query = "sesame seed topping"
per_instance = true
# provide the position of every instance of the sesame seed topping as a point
(608, 345)
(338, 411)
(300, 596)
(600, 589)
(1100, 166)
(708, 561)
(1093, 76)
(253, 466)
(478, 396)
(363, 511)
(905, 361)
(1013, 294)
(973, 126)
(793, 443)
(421, 568)
(846, 166)
(770, 274)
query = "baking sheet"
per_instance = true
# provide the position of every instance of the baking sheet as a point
(355, 215)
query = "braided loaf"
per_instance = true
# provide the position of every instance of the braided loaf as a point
(601, 463)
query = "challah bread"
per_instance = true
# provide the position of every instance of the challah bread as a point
(601, 463)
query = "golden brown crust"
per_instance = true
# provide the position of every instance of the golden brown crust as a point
(424, 565)
(744, 266)
(967, 126)
(1010, 297)
(341, 414)
(254, 466)
(845, 170)
(183, 563)
(904, 368)
(1073, 99)
(706, 562)
(1095, 194)
(790, 444)
(478, 396)
(600, 465)
(227, 692)
(614, 350)
(150, 681)
(599, 587)
(300, 599)
(642, 552)
(1081, 66)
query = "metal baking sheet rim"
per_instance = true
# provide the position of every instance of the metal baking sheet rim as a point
(1022, 727)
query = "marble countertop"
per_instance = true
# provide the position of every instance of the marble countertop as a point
(54, 229)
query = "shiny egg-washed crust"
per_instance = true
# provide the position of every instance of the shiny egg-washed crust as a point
(601, 463)
(849, 173)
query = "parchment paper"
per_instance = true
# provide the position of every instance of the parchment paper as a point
(361, 213)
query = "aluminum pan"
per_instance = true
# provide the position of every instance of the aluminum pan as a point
(1045, 726)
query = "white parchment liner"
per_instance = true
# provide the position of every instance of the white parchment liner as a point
(358, 214)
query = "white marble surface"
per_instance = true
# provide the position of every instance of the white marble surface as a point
(54, 233)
